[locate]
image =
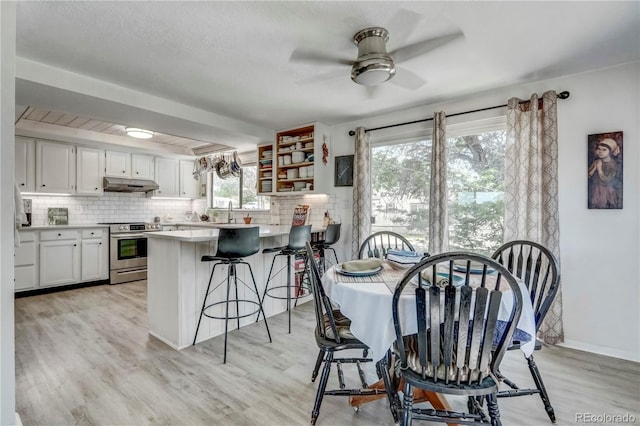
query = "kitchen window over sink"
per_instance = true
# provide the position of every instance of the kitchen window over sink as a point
(241, 191)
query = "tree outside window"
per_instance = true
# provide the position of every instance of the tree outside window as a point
(400, 186)
(241, 191)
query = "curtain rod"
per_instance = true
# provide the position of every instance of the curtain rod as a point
(562, 95)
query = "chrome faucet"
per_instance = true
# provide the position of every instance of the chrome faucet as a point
(230, 213)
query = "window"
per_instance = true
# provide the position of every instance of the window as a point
(475, 182)
(400, 186)
(241, 191)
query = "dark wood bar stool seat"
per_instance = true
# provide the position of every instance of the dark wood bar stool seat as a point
(298, 237)
(234, 244)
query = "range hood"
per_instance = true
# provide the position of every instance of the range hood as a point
(114, 184)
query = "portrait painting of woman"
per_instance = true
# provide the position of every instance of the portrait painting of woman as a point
(605, 171)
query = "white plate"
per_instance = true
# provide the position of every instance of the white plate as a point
(475, 268)
(364, 273)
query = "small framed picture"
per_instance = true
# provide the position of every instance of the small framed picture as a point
(605, 170)
(344, 171)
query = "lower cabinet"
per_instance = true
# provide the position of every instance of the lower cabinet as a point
(60, 257)
(26, 262)
(94, 256)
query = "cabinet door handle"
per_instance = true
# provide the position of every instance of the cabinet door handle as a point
(22, 184)
(92, 233)
(44, 184)
(96, 188)
(137, 173)
(100, 243)
(59, 235)
(75, 245)
(123, 171)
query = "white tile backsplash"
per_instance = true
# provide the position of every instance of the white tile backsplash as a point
(136, 207)
(115, 207)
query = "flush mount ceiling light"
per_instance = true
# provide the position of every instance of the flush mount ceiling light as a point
(139, 133)
(374, 65)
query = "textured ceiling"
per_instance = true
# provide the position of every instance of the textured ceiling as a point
(220, 72)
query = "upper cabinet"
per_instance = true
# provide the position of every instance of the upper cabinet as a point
(55, 168)
(300, 160)
(52, 167)
(127, 165)
(26, 164)
(167, 172)
(265, 168)
(142, 166)
(90, 171)
(189, 187)
(118, 164)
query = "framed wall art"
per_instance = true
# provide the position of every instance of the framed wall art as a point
(605, 170)
(344, 171)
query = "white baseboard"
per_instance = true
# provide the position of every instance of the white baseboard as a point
(629, 356)
(18, 419)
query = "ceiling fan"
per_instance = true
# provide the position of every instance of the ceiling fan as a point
(373, 65)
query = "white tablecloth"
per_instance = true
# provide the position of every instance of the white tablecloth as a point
(368, 306)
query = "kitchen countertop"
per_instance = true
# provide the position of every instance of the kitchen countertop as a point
(198, 235)
(41, 227)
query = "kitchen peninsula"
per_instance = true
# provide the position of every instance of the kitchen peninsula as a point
(177, 281)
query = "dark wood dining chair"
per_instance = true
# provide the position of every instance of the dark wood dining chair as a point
(459, 342)
(380, 243)
(333, 334)
(538, 268)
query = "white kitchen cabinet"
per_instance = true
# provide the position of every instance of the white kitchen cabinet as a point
(127, 165)
(25, 156)
(89, 171)
(142, 166)
(26, 262)
(189, 187)
(55, 167)
(59, 258)
(167, 177)
(94, 255)
(118, 164)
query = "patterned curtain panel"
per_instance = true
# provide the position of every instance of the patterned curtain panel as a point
(438, 217)
(361, 191)
(531, 186)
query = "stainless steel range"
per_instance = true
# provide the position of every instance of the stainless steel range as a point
(128, 251)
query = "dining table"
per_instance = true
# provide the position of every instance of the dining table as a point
(367, 301)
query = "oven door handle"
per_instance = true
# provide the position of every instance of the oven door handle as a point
(127, 236)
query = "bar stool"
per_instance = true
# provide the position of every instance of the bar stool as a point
(298, 237)
(331, 236)
(233, 245)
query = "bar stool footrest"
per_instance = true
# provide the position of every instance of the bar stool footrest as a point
(270, 290)
(232, 301)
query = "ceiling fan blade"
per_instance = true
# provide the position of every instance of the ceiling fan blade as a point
(316, 57)
(325, 76)
(402, 23)
(407, 79)
(411, 51)
(372, 91)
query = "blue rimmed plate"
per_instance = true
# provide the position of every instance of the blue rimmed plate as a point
(365, 273)
(474, 268)
(457, 280)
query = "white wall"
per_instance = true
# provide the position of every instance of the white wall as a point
(600, 254)
(7, 148)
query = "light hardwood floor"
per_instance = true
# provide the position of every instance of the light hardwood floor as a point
(84, 357)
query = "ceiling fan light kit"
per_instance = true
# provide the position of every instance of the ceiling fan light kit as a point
(374, 65)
